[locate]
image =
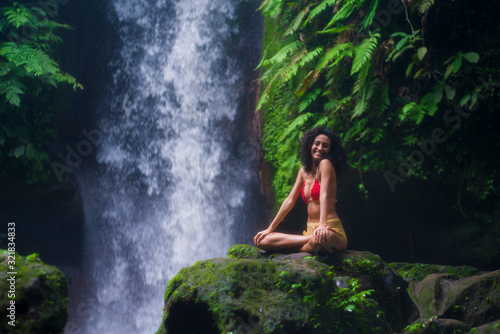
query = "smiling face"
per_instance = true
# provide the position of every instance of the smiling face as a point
(320, 147)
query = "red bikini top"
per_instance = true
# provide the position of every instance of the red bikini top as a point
(314, 191)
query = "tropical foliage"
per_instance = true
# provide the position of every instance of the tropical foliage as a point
(410, 86)
(27, 71)
(381, 76)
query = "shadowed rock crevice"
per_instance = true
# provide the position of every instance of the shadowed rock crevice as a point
(190, 317)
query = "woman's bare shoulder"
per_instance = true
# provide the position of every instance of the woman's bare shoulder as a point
(325, 164)
(302, 172)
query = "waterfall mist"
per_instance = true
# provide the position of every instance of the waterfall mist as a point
(176, 175)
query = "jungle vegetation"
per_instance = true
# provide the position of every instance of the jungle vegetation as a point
(411, 87)
(29, 74)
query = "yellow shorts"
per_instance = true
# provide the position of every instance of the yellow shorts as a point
(334, 223)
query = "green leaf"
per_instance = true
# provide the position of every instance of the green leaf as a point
(335, 30)
(297, 123)
(296, 22)
(18, 15)
(281, 55)
(449, 69)
(372, 11)
(364, 52)
(408, 69)
(450, 92)
(421, 53)
(471, 57)
(17, 152)
(456, 65)
(310, 56)
(12, 89)
(308, 99)
(464, 100)
(419, 72)
(335, 53)
(402, 42)
(349, 308)
(322, 122)
(424, 6)
(30, 151)
(320, 8)
(438, 93)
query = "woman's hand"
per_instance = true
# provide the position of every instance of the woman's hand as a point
(321, 233)
(261, 235)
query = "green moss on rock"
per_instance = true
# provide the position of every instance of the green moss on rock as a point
(474, 300)
(418, 271)
(258, 292)
(490, 328)
(434, 325)
(40, 295)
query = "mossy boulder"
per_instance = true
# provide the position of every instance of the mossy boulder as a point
(259, 292)
(490, 328)
(474, 300)
(416, 272)
(40, 293)
(434, 325)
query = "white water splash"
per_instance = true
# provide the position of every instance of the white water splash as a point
(160, 199)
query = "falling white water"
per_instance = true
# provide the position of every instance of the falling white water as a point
(167, 186)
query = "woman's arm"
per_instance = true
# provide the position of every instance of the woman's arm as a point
(327, 186)
(289, 202)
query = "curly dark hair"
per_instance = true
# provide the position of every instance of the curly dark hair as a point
(336, 154)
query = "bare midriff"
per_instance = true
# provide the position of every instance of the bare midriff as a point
(313, 210)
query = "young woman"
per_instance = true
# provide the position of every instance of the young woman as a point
(322, 158)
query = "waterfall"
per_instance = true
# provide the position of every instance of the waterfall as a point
(173, 172)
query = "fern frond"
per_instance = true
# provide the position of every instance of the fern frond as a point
(272, 8)
(12, 89)
(345, 11)
(364, 52)
(34, 61)
(335, 30)
(371, 14)
(297, 123)
(281, 55)
(310, 56)
(332, 54)
(296, 22)
(321, 122)
(362, 85)
(320, 8)
(18, 15)
(425, 6)
(309, 99)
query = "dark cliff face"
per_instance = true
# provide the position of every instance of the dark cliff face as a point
(49, 221)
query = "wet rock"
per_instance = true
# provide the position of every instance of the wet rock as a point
(491, 328)
(416, 272)
(259, 292)
(474, 300)
(434, 325)
(39, 294)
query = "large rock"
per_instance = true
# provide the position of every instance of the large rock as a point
(434, 325)
(474, 300)
(40, 294)
(491, 328)
(416, 272)
(257, 292)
